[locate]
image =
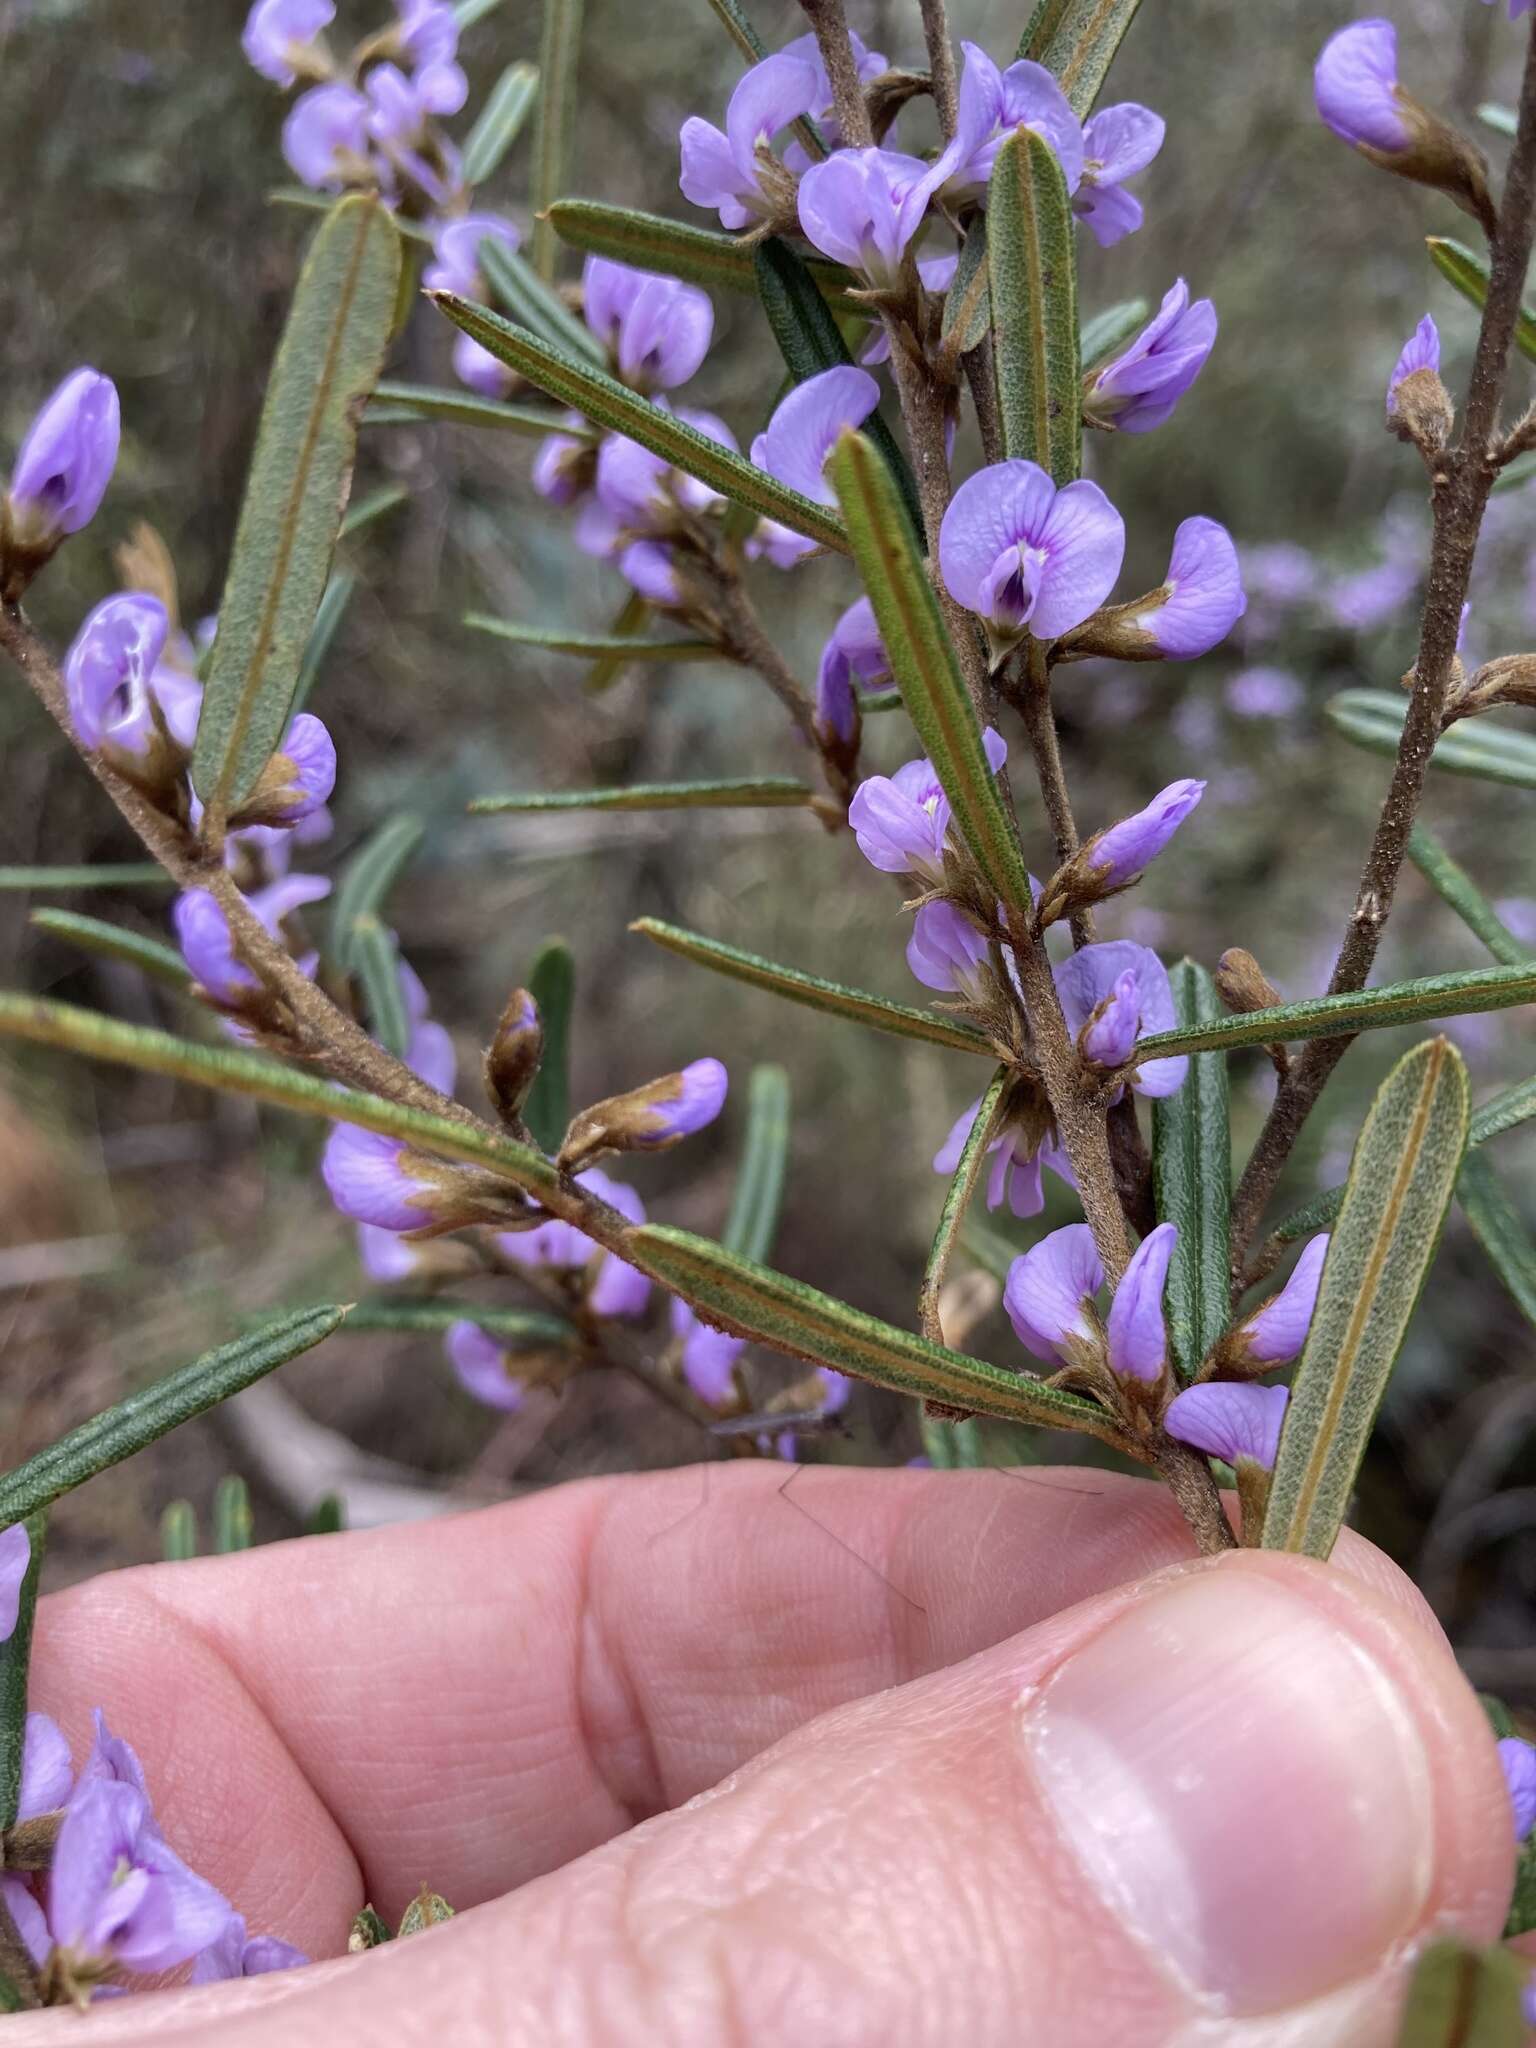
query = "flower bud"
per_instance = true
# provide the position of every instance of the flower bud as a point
(1360, 99)
(1276, 1331)
(1136, 1333)
(297, 781)
(125, 702)
(648, 1119)
(208, 946)
(60, 476)
(1112, 860)
(1197, 605)
(1419, 407)
(512, 1060)
(373, 1178)
(1109, 1036)
(1242, 983)
(1511, 679)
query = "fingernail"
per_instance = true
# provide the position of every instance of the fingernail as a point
(1244, 1784)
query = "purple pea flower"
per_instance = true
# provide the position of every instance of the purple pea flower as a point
(867, 63)
(862, 207)
(237, 1954)
(1117, 143)
(1519, 1761)
(1022, 554)
(1226, 1419)
(1118, 857)
(1276, 1331)
(803, 431)
(298, 780)
(429, 32)
(1421, 351)
(325, 137)
(1136, 1335)
(854, 654)
(1140, 388)
(1355, 82)
(47, 1770)
(1049, 1295)
(901, 821)
(656, 330)
(1109, 1037)
(386, 1256)
(478, 370)
(640, 491)
(15, 1556)
(725, 171)
(1200, 600)
(618, 1289)
(207, 946)
(947, 952)
(562, 465)
(376, 1179)
(278, 35)
(685, 1103)
(708, 1356)
(455, 265)
(992, 105)
(117, 1893)
(649, 567)
(65, 463)
(483, 1367)
(116, 682)
(1096, 973)
(1017, 1155)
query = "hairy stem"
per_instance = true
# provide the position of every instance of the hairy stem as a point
(941, 65)
(750, 644)
(831, 26)
(1190, 1480)
(1462, 481)
(1032, 700)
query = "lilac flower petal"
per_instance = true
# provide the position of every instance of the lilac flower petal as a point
(386, 1256)
(862, 207)
(1108, 1037)
(1519, 1761)
(483, 1366)
(47, 1769)
(898, 831)
(366, 1178)
(1204, 592)
(1277, 1330)
(709, 175)
(620, 1290)
(1092, 973)
(1119, 855)
(946, 952)
(1121, 140)
(1014, 549)
(456, 252)
(1049, 1289)
(1421, 351)
(1230, 1420)
(1355, 82)
(708, 1356)
(1108, 212)
(430, 1055)
(767, 99)
(947, 1158)
(696, 1100)
(15, 1556)
(648, 567)
(806, 423)
(992, 105)
(278, 30)
(1138, 1336)
(109, 671)
(665, 335)
(203, 934)
(66, 460)
(28, 1917)
(326, 134)
(1141, 387)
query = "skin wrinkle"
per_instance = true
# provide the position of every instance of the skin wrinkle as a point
(601, 1679)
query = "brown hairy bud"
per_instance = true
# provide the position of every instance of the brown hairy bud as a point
(1510, 679)
(1242, 983)
(1117, 631)
(512, 1059)
(1422, 412)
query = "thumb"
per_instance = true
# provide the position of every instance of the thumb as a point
(1225, 1804)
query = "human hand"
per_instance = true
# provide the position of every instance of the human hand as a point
(901, 1758)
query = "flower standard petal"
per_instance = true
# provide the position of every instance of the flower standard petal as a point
(1421, 351)
(806, 423)
(1137, 1333)
(1276, 1331)
(1227, 1419)
(1355, 84)
(766, 99)
(1084, 544)
(946, 952)
(1202, 597)
(994, 514)
(1118, 856)
(66, 460)
(1049, 1292)
(1140, 388)
(15, 1556)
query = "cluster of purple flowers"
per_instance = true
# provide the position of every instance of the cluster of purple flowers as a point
(117, 1897)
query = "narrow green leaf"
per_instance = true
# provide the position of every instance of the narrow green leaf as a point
(616, 409)
(1032, 265)
(409, 404)
(739, 29)
(854, 1004)
(753, 1221)
(373, 507)
(1373, 719)
(178, 1531)
(629, 621)
(788, 1316)
(15, 1661)
(590, 646)
(1501, 1112)
(143, 1417)
(927, 674)
(1406, 1161)
(1368, 1009)
(150, 955)
(811, 341)
(1076, 40)
(552, 984)
(698, 255)
(1460, 1997)
(338, 595)
(953, 1446)
(1500, 119)
(242, 1073)
(104, 875)
(518, 1328)
(968, 302)
(368, 878)
(1452, 882)
(1500, 1229)
(499, 121)
(957, 1199)
(744, 792)
(1108, 332)
(1192, 1169)
(1318, 1214)
(233, 1524)
(537, 305)
(328, 1516)
(1460, 267)
(559, 53)
(374, 958)
(329, 357)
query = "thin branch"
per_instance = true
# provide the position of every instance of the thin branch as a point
(1459, 497)
(1190, 1480)
(941, 65)
(831, 25)
(1031, 698)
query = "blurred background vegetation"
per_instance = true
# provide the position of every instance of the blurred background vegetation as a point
(139, 1221)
